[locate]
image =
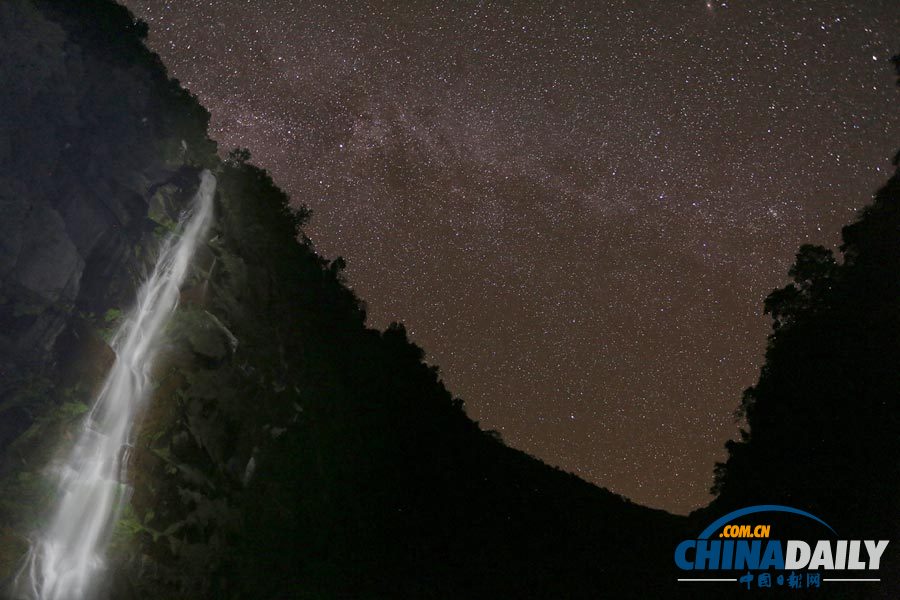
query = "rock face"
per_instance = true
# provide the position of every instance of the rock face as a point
(93, 167)
(288, 450)
(84, 176)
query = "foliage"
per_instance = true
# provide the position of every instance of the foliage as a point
(823, 421)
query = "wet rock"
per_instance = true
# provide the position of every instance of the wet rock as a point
(15, 211)
(12, 547)
(205, 335)
(48, 264)
(163, 207)
(13, 423)
(85, 357)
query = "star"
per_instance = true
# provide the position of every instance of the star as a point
(578, 208)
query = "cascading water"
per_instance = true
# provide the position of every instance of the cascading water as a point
(67, 556)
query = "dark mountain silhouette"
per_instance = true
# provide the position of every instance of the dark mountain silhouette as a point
(823, 422)
(291, 452)
(288, 451)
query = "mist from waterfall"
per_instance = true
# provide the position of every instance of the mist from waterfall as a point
(66, 559)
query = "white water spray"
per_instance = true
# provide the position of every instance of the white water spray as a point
(67, 557)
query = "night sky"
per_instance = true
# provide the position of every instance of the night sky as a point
(576, 208)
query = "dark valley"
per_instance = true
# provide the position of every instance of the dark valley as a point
(286, 450)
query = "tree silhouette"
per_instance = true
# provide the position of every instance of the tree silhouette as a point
(823, 421)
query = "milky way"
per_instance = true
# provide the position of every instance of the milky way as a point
(576, 208)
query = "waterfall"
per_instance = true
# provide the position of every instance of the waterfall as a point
(67, 556)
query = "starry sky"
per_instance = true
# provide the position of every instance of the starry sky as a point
(577, 208)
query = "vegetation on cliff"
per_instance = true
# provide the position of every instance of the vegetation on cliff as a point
(291, 451)
(826, 408)
(288, 450)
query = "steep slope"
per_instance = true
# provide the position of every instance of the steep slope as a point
(98, 152)
(91, 133)
(823, 421)
(288, 450)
